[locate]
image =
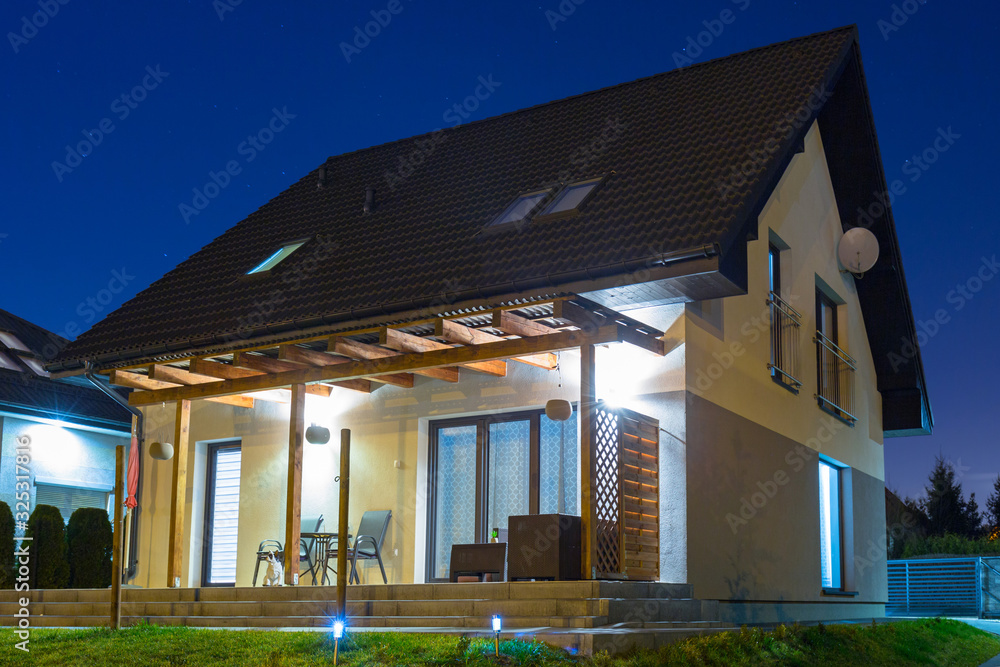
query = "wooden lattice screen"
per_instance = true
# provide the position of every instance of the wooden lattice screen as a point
(626, 495)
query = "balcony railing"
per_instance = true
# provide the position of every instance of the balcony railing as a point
(835, 379)
(785, 324)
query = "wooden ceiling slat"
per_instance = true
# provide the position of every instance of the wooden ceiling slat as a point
(137, 381)
(404, 342)
(357, 350)
(267, 365)
(309, 357)
(459, 333)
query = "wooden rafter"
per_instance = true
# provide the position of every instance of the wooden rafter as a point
(411, 362)
(137, 381)
(514, 324)
(309, 357)
(404, 342)
(454, 332)
(364, 352)
(267, 365)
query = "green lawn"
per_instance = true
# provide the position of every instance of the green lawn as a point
(927, 642)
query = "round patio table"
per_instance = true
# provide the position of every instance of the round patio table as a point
(322, 542)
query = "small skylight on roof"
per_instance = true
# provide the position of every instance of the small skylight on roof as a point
(8, 363)
(522, 207)
(13, 342)
(570, 197)
(36, 366)
(276, 258)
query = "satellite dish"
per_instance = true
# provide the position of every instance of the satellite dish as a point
(858, 250)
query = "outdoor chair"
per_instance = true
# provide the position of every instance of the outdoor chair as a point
(264, 550)
(267, 547)
(307, 546)
(368, 543)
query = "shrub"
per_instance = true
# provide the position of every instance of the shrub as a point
(950, 545)
(89, 547)
(6, 554)
(49, 567)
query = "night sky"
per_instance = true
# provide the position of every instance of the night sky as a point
(171, 91)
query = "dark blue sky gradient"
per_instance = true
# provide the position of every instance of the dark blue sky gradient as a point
(61, 242)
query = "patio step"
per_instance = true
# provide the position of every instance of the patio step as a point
(525, 606)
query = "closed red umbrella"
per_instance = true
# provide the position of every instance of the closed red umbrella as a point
(133, 474)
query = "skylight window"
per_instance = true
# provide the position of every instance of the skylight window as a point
(276, 258)
(522, 207)
(13, 342)
(570, 197)
(8, 363)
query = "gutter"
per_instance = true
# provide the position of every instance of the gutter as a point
(139, 431)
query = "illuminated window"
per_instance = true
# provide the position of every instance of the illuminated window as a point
(571, 197)
(522, 207)
(279, 256)
(13, 342)
(830, 526)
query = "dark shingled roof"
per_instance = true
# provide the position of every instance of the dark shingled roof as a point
(690, 157)
(71, 400)
(670, 140)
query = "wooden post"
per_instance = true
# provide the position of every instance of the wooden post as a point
(588, 407)
(178, 494)
(345, 492)
(293, 502)
(116, 555)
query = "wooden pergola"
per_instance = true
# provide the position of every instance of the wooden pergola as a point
(441, 348)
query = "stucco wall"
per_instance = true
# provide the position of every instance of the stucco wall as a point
(753, 498)
(728, 347)
(59, 454)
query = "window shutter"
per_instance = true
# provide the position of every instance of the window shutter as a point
(69, 498)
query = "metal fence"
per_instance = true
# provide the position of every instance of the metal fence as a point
(942, 587)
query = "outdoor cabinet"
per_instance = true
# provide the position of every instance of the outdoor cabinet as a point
(543, 546)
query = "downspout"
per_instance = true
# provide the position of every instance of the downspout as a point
(139, 424)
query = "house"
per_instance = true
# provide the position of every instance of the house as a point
(68, 427)
(663, 254)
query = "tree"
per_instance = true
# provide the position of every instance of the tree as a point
(945, 505)
(89, 540)
(49, 567)
(992, 513)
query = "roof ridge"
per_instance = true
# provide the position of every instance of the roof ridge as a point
(847, 28)
(30, 324)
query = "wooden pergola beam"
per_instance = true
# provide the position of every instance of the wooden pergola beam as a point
(404, 342)
(412, 362)
(293, 502)
(269, 366)
(353, 349)
(138, 381)
(514, 324)
(178, 493)
(309, 357)
(454, 332)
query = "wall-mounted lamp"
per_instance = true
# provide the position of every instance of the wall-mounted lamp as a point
(317, 435)
(161, 451)
(558, 410)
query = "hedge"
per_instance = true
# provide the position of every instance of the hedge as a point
(49, 566)
(89, 541)
(6, 554)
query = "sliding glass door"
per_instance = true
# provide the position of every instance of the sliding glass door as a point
(484, 470)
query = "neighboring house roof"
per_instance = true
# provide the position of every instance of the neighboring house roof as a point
(26, 391)
(690, 157)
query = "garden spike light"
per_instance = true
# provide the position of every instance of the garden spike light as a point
(496, 630)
